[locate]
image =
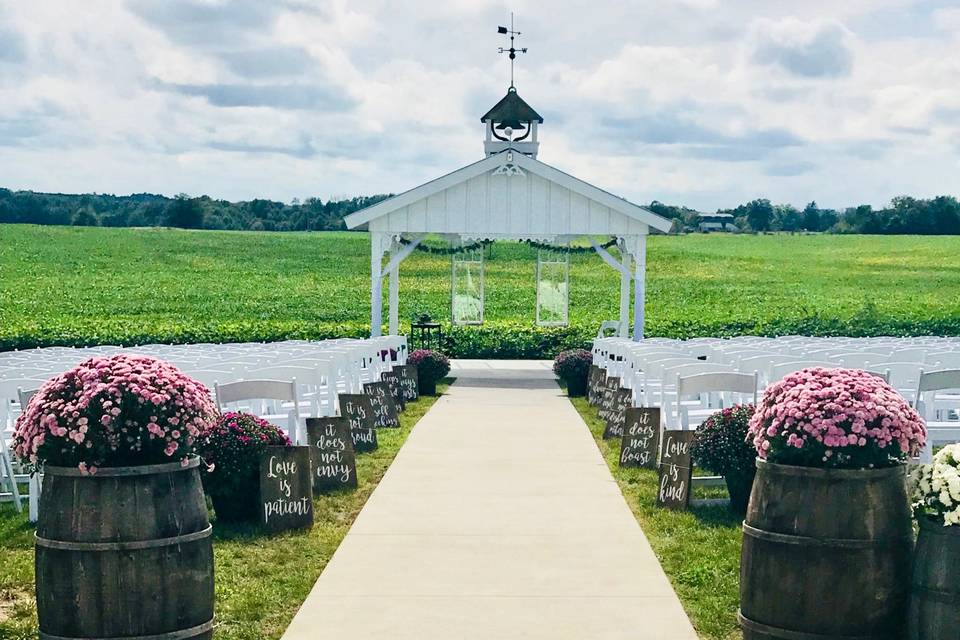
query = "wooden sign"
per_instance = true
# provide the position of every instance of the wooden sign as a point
(599, 384)
(408, 381)
(675, 470)
(640, 443)
(286, 500)
(622, 400)
(357, 408)
(593, 385)
(333, 462)
(364, 440)
(392, 378)
(605, 404)
(384, 408)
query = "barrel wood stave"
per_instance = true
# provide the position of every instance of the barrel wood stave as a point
(935, 594)
(826, 554)
(124, 554)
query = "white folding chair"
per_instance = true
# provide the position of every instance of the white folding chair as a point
(778, 371)
(35, 481)
(8, 477)
(726, 386)
(313, 379)
(671, 374)
(859, 360)
(608, 325)
(264, 390)
(928, 405)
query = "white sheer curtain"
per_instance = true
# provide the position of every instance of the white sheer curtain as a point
(467, 285)
(553, 287)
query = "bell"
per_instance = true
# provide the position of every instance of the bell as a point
(512, 123)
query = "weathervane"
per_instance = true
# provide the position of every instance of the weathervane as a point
(512, 50)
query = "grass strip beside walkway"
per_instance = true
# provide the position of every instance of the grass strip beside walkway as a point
(260, 580)
(699, 549)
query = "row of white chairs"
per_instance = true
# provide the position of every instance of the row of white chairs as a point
(286, 382)
(696, 377)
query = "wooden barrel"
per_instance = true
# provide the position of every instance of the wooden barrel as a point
(935, 593)
(826, 554)
(124, 553)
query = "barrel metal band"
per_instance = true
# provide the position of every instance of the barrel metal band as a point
(124, 546)
(807, 541)
(789, 634)
(939, 595)
(180, 634)
(143, 470)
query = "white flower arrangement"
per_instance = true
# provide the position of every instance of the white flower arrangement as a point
(935, 487)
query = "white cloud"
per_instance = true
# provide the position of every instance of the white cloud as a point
(809, 49)
(948, 20)
(689, 101)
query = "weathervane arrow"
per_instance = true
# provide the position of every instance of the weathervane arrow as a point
(512, 51)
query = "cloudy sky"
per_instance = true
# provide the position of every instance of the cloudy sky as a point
(700, 102)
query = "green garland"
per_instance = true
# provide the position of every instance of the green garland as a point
(549, 247)
(449, 251)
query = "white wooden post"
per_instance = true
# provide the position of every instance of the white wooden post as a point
(624, 269)
(398, 253)
(395, 301)
(377, 248)
(624, 291)
(639, 286)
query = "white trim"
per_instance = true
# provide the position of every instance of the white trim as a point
(545, 171)
(427, 189)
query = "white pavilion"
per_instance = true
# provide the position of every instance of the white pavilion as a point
(508, 195)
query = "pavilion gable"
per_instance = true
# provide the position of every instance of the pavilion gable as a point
(508, 195)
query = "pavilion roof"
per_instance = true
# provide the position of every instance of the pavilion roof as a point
(512, 110)
(508, 194)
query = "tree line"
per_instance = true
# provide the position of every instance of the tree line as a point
(904, 215)
(151, 210)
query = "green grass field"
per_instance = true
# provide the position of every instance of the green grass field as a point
(65, 285)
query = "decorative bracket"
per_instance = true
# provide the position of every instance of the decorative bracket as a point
(609, 259)
(401, 255)
(508, 170)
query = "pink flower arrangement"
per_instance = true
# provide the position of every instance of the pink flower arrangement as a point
(114, 411)
(837, 418)
(231, 449)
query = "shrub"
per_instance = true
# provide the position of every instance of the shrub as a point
(935, 487)
(720, 445)
(835, 418)
(431, 365)
(231, 449)
(114, 411)
(573, 364)
(573, 367)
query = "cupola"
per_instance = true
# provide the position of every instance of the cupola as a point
(511, 123)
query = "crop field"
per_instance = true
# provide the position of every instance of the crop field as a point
(66, 285)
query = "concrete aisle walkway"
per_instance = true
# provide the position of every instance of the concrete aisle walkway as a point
(497, 520)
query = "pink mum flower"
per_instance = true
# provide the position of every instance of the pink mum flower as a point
(845, 418)
(108, 411)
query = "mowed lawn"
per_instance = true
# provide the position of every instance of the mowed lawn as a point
(71, 285)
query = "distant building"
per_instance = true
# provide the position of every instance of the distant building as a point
(715, 222)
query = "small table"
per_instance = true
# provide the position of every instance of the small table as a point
(426, 335)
